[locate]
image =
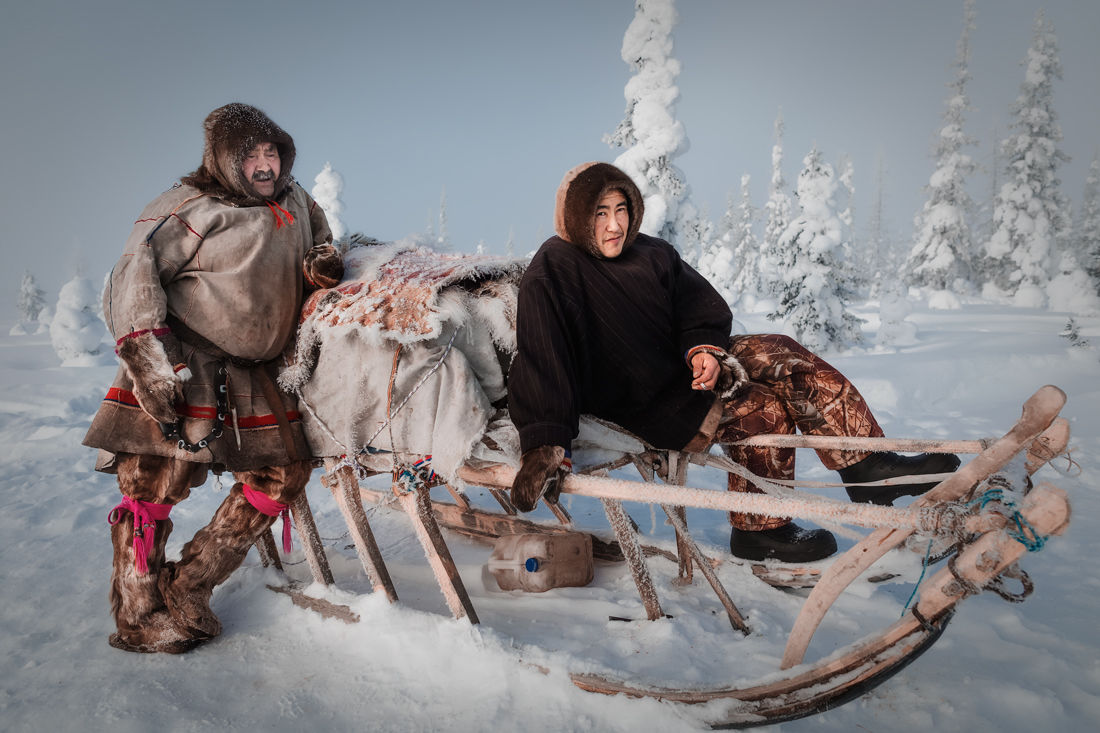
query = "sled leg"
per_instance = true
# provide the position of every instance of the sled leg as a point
(502, 498)
(345, 490)
(311, 541)
(632, 551)
(269, 551)
(703, 563)
(677, 476)
(418, 505)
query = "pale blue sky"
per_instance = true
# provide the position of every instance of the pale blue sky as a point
(490, 99)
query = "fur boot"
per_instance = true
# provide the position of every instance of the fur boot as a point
(220, 547)
(144, 624)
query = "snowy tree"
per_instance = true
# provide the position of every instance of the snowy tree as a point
(510, 245)
(716, 262)
(1030, 213)
(1088, 224)
(327, 187)
(745, 248)
(31, 302)
(942, 246)
(75, 331)
(815, 287)
(442, 239)
(779, 215)
(695, 234)
(649, 131)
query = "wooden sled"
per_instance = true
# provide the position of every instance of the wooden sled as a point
(988, 531)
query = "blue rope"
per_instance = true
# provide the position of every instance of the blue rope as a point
(923, 570)
(1024, 533)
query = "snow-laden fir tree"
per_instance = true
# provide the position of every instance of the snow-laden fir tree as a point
(31, 302)
(942, 244)
(847, 187)
(442, 239)
(327, 188)
(778, 208)
(1030, 215)
(649, 131)
(746, 249)
(696, 234)
(1087, 230)
(815, 281)
(76, 332)
(716, 262)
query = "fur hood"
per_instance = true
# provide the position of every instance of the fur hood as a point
(230, 132)
(580, 191)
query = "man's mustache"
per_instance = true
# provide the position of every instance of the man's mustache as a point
(263, 176)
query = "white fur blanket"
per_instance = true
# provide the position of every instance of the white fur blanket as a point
(441, 325)
(446, 324)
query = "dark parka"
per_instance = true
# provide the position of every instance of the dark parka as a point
(609, 337)
(214, 269)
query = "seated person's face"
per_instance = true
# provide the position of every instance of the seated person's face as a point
(612, 221)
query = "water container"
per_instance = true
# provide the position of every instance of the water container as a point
(538, 562)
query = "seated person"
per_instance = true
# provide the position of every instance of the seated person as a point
(614, 324)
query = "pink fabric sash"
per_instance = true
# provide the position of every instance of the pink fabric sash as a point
(146, 515)
(264, 504)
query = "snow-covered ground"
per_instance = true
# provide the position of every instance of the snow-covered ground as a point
(409, 666)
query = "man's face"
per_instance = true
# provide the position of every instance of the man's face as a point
(261, 168)
(612, 221)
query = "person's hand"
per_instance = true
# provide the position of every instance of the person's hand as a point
(704, 371)
(158, 385)
(541, 471)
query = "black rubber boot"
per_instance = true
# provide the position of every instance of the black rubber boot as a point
(882, 466)
(789, 543)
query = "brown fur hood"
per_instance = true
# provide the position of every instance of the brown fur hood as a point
(230, 132)
(580, 191)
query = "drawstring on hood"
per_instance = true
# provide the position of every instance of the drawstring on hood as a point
(276, 210)
(230, 132)
(579, 194)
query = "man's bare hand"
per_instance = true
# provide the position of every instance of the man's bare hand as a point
(704, 371)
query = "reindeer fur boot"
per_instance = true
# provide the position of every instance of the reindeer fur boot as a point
(143, 621)
(208, 560)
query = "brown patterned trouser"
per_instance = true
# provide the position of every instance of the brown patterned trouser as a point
(790, 388)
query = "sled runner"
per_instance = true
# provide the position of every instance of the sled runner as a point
(400, 372)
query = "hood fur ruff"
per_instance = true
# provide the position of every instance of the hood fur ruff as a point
(230, 132)
(579, 193)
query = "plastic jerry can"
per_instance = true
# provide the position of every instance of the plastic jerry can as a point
(538, 562)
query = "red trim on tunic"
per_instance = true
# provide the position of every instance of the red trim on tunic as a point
(125, 398)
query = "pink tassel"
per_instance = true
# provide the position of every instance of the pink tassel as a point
(146, 515)
(265, 505)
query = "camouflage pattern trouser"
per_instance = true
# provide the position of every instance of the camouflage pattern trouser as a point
(790, 388)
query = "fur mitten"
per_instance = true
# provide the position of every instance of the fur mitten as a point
(323, 267)
(732, 377)
(541, 471)
(157, 384)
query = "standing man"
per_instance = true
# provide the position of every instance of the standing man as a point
(613, 323)
(204, 304)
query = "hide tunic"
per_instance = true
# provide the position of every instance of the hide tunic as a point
(233, 275)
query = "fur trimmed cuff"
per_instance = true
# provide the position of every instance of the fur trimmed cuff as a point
(732, 377)
(323, 267)
(157, 385)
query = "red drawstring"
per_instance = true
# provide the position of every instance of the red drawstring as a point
(276, 210)
(264, 504)
(146, 515)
